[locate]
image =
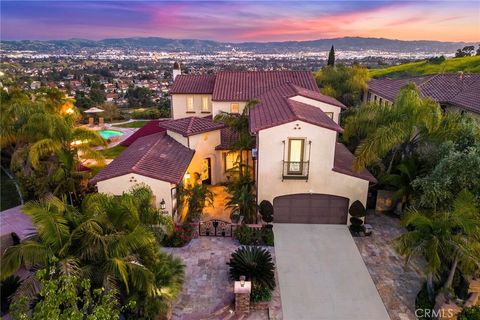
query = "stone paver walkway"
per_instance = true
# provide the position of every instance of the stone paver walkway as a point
(207, 287)
(397, 285)
(208, 291)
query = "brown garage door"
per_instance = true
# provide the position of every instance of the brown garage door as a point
(310, 208)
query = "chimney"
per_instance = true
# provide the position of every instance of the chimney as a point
(176, 70)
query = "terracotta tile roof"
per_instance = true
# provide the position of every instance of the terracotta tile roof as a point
(157, 156)
(277, 108)
(191, 125)
(195, 84)
(343, 163)
(316, 95)
(459, 90)
(149, 128)
(243, 86)
(228, 138)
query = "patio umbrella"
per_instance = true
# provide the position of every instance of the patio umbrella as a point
(94, 110)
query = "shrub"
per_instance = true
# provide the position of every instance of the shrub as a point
(357, 211)
(182, 234)
(7, 288)
(244, 234)
(254, 236)
(260, 293)
(256, 264)
(146, 114)
(472, 313)
(266, 211)
(267, 236)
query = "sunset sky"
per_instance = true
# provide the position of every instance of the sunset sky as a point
(239, 21)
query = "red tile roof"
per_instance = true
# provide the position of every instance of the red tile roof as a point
(277, 108)
(228, 138)
(148, 128)
(243, 86)
(191, 125)
(157, 156)
(455, 89)
(343, 163)
(194, 84)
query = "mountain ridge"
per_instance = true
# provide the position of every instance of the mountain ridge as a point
(197, 45)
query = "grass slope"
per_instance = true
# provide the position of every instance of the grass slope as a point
(466, 64)
(113, 152)
(134, 124)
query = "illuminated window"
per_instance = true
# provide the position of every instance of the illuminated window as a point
(234, 108)
(231, 160)
(295, 155)
(205, 104)
(329, 114)
(190, 104)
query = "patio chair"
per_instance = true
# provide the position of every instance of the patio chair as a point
(101, 122)
(91, 122)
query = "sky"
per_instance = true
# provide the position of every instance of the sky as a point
(240, 21)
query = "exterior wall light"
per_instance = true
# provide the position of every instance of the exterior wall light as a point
(187, 175)
(162, 204)
(242, 281)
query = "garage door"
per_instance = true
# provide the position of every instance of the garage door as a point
(310, 208)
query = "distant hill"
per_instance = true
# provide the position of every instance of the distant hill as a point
(466, 64)
(193, 45)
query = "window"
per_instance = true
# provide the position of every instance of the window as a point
(295, 156)
(329, 114)
(234, 108)
(190, 104)
(205, 104)
(231, 159)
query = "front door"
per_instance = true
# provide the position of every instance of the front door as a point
(207, 171)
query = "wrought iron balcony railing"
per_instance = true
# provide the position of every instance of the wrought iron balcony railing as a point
(295, 170)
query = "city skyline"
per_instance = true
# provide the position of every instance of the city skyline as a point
(241, 21)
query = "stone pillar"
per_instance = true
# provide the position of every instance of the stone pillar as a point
(242, 296)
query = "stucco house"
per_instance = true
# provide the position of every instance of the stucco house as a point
(298, 163)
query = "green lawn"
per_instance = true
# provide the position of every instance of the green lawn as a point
(134, 124)
(9, 197)
(113, 152)
(466, 64)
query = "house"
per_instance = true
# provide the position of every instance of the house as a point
(453, 91)
(297, 164)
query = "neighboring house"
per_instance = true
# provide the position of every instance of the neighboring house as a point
(298, 164)
(454, 91)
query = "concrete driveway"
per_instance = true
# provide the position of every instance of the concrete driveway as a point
(322, 275)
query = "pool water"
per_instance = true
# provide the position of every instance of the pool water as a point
(107, 134)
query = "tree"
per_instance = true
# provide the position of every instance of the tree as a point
(453, 170)
(445, 239)
(110, 241)
(265, 209)
(40, 138)
(478, 51)
(239, 125)
(331, 57)
(343, 83)
(67, 297)
(194, 198)
(396, 131)
(465, 52)
(110, 111)
(97, 93)
(140, 97)
(242, 199)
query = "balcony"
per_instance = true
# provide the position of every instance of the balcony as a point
(295, 170)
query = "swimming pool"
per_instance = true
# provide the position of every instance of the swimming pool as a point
(107, 134)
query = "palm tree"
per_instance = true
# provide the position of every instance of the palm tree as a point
(444, 239)
(407, 171)
(242, 198)
(238, 123)
(397, 130)
(106, 242)
(44, 145)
